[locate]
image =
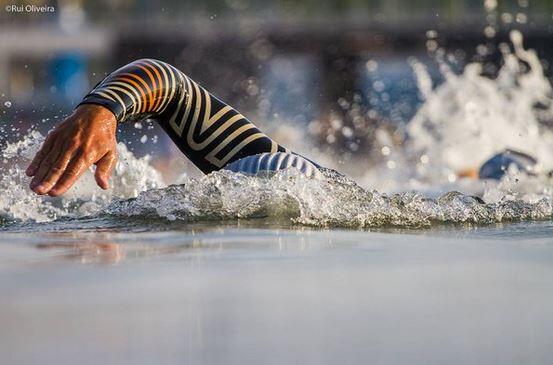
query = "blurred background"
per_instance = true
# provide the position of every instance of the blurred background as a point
(338, 71)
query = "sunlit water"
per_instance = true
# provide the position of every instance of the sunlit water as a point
(403, 263)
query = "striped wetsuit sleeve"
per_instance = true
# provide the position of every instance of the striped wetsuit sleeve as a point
(209, 132)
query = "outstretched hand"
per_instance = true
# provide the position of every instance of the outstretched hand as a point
(84, 138)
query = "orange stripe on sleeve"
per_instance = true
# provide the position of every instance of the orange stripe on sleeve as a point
(143, 93)
(161, 86)
(154, 86)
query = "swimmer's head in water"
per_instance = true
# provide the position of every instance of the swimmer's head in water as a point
(497, 166)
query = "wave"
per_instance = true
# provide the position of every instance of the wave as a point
(331, 201)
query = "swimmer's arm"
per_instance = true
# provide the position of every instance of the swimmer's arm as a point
(208, 131)
(141, 89)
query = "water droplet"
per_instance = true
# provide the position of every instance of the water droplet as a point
(8, 104)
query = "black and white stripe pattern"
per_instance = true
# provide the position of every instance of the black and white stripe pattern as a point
(208, 131)
(271, 162)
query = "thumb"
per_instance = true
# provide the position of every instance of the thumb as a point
(103, 169)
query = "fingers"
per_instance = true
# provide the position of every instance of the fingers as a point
(54, 171)
(80, 140)
(41, 154)
(103, 169)
(74, 170)
(44, 167)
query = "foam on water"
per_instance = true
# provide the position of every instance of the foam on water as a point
(462, 122)
(333, 200)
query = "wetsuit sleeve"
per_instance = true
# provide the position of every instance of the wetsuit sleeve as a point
(208, 131)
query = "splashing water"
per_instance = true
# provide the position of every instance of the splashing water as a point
(333, 200)
(131, 175)
(330, 200)
(470, 117)
(462, 122)
(466, 120)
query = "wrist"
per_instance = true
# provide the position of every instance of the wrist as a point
(96, 113)
(96, 110)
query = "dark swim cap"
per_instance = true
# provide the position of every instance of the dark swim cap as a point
(497, 166)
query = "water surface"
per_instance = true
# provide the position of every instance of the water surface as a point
(235, 294)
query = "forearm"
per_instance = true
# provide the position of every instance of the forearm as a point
(141, 89)
(208, 131)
